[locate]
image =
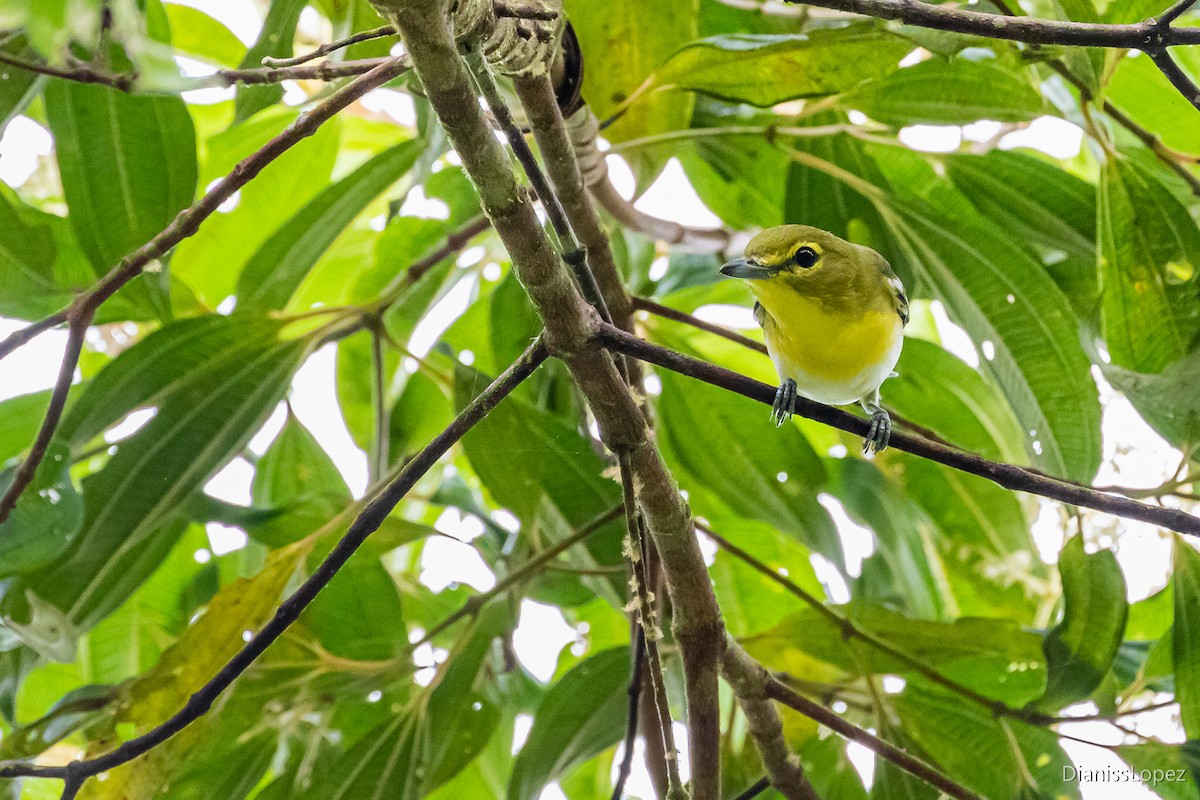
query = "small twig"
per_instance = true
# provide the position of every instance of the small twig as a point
(383, 412)
(326, 71)
(1009, 476)
(1174, 12)
(631, 720)
(755, 789)
(905, 761)
(330, 47)
(289, 611)
(666, 312)
(81, 73)
(569, 248)
(1178, 78)
(80, 319)
(651, 633)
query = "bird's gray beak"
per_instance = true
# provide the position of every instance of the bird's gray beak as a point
(741, 268)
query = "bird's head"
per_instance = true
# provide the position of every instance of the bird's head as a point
(793, 254)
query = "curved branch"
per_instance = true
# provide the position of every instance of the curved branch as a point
(367, 522)
(1134, 36)
(1009, 476)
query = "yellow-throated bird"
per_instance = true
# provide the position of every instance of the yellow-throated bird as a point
(833, 316)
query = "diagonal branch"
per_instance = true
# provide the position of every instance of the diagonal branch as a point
(1009, 476)
(83, 309)
(289, 611)
(1134, 36)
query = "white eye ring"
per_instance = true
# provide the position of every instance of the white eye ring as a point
(806, 257)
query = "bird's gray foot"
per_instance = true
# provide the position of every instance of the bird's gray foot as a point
(785, 403)
(879, 433)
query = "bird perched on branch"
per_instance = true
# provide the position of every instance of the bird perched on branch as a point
(833, 316)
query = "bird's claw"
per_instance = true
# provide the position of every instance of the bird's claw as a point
(878, 434)
(785, 403)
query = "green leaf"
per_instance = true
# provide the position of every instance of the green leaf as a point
(45, 520)
(111, 149)
(1149, 256)
(973, 748)
(20, 418)
(204, 648)
(159, 365)
(1080, 650)
(955, 92)
(1186, 640)
(621, 52)
(1053, 211)
(1168, 763)
(40, 265)
(358, 615)
(1168, 401)
(263, 205)
(765, 69)
(1003, 297)
(18, 87)
(275, 41)
(582, 715)
(199, 36)
(698, 420)
(273, 273)
(1140, 90)
(200, 425)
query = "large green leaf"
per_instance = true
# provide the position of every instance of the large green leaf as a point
(198, 35)
(274, 40)
(273, 273)
(1167, 762)
(262, 206)
(112, 148)
(40, 265)
(1017, 315)
(764, 69)
(1139, 89)
(954, 92)
(1053, 210)
(46, 518)
(1080, 650)
(20, 418)
(761, 472)
(130, 504)
(621, 52)
(157, 366)
(1186, 639)
(1149, 256)
(18, 87)
(582, 715)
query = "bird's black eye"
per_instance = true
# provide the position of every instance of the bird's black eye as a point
(806, 257)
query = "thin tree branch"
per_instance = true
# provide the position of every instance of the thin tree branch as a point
(755, 789)
(643, 601)
(330, 47)
(1178, 78)
(1134, 36)
(80, 73)
(638, 662)
(19, 337)
(326, 71)
(746, 677)
(58, 401)
(849, 630)
(570, 324)
(1175, 12)
(570, 249)
(1007, 475)
(366, 523)
(914, 766)
(666, 312)
(82, 310)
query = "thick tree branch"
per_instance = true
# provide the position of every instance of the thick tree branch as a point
(1009, 476)
(1135, 36)
(289, 611)
(570, 324)
(909, 763)
(83, 309)
(747, 679)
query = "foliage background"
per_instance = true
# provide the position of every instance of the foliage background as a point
(126, 585)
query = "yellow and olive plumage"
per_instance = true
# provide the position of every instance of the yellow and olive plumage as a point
(832, 314)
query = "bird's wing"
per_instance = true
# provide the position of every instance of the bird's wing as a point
(760, 314)
(900, 297)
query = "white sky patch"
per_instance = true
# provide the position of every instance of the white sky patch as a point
(740, 317)
(858, 542)
(672, 197)
(445, 562)
(932, 138)
(232, 483)
(224, 539)
(954, 338)
(240, 17)
(540, 636)
(1053, 136)
(132, 423)
(863, 761)
(441, 316)
(397, 105)
(23, 144)
(416, 204)
(314, 402)
(270, 429)
(835, 585)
